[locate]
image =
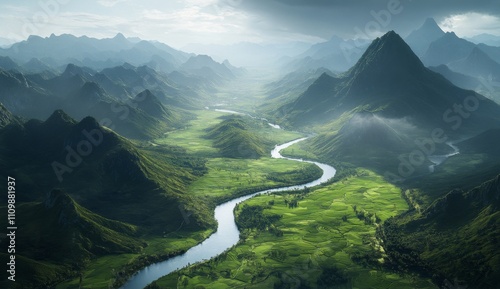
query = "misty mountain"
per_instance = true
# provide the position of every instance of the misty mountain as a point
(205, 67)
(447, 49)
(8, 64)
(24, 97)
(293, 84)
(78, 91)
(391, 80)
(336, 54)
(35, 65)
(420, 39)
(373, 113)
(478, 64)
(458, 79)
(249, 54)
(485, 38)
(95, 53)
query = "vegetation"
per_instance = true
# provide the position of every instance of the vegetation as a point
(460, 226)
(322, 242)
(234, 139)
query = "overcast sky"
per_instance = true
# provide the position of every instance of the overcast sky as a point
(178, 23)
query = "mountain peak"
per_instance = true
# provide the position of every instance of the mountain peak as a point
(387, 55)
(120, 36)
(431, 25)
(59, 117)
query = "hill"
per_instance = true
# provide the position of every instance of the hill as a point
(105, 172)
(462, 226)
(235, 139)
(59, 231)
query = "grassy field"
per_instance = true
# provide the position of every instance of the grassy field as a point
(231, 177)
(193, 139)
(328, 237)
(102, 272)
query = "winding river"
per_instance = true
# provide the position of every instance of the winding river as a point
(227, 234)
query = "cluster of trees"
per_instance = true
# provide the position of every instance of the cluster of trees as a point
(253, 217)
(368, 217)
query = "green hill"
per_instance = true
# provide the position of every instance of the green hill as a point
(456, 238)
(105, 172)
(59, 237)
(235, 139)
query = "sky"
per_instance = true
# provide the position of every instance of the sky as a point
(179, 23)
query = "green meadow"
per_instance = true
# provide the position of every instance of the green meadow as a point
(193, 136)
(327, 238)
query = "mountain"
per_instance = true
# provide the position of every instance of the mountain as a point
(447, 49)
(485, 38)
(95, 53)
(460, 225)
(420, 39)
(60, 231)
(136, 79)
(492, 51)
(391, 80)
(377, 113)
(335, 54)
(478, 64)
(294, 83)
(35, 65)
(105, 172)
(8, 64)
(485, 143)
(458, 79)
(234, 139)
(6, 117)
(205, 66)
(24, 97)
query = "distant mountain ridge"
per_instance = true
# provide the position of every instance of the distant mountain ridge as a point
(96, 53)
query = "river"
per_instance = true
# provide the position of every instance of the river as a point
(227, 234)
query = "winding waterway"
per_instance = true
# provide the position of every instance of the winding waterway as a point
(227, 234)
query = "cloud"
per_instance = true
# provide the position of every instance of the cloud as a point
(110, 3)
(472, 23)
(324, 18)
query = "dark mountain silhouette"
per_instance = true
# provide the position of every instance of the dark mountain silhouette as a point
(420, 39)
(6, 117)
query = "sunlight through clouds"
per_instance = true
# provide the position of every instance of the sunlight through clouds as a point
(470, 24)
